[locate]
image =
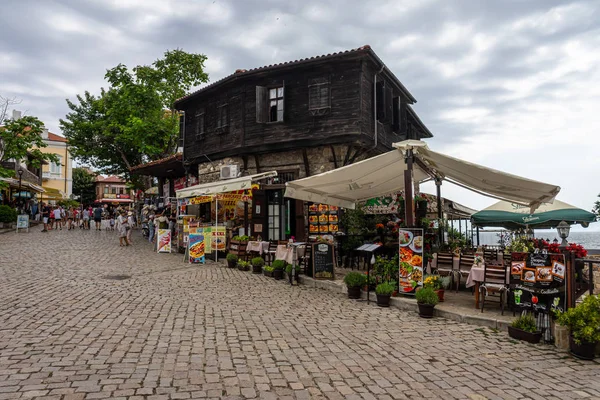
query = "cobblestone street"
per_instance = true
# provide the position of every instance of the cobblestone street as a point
(175, 331)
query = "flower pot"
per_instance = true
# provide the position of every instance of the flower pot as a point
(383, 300)
(583, 351)
(440, 294)
(425, 310)
(278, 274)
(231, 264)
(268, 273)
(519, 334)
(354, 292)
(256, 269)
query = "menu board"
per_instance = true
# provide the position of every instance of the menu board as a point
(323, 219)
(537, 281)
(196, 246)
(323, 260)
(164, 241)
(410, 256)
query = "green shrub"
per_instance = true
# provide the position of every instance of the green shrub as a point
(258, 262)
(583, 321)
(355, 279)
(278, 264)
(385, 289)
(240, 238)
(267, 269)
(525, 323)
(232, 257)
(427, 296)
(243, 265)
(8, 214)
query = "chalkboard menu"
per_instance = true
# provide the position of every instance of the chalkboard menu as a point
(323, 260)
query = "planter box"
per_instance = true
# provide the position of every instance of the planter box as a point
(278, 274)
(268, 273)
(523, 335)
(383, 300)
(354, 292)
(256, 269)
(583, 351)
(425, 310)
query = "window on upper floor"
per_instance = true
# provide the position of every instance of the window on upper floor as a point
(105, 189)
(319, 96)
(396, 114)
(55, 167)
(270, 103)
(380, 98)
(113, 190)
(199, 125)
(222, 116)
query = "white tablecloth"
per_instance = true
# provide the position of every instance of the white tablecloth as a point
(287, 253)
(477, 274)
(259, 247)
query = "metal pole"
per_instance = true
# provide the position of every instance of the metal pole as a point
(477, 236)
(216, 227)
(438, 186)
(408, 190)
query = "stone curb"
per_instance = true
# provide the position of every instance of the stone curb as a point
(406, 304)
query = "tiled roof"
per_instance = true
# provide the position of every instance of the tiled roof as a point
(176, 156)
(56, 138)
(243, 72)
(110, 179)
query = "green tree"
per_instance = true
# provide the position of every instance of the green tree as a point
(20, 138)
(596, 209)
(134, 120)
(84, 185)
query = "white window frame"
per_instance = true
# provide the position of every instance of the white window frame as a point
(56, 168)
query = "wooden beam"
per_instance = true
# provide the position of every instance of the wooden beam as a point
(257, 164)
(348, 154)
(306, 166)
(358, 152)
(335, 164)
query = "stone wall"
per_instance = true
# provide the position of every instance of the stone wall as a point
(320, 159)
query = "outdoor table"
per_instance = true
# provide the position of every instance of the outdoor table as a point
(476, 277)
(258, 247)
(455, 262)
(287, 253)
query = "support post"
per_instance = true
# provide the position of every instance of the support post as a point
(477, 229)
(408, 190)
(216, 228)
(246, 225)
(438, 187)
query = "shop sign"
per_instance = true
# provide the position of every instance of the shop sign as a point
(164, 241)
(411, 260)
(109, 196)
(123, 196)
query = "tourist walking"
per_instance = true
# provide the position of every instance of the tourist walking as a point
(98, 217)
(131, 224)
(58, 217)
(86, 218)
(45, 216)
(122, 225)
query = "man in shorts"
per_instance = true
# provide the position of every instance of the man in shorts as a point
(58, 217)
(86, 218)
(45, 216)
(98, 217)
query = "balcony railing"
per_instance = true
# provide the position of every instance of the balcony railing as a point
(27, 176)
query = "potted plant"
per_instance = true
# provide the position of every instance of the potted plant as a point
(426, 300)
(421, 202)
(243, 265)
(524, 328)
(268, 271)
(8, 216)
(257, 265)
(278, 267)
(232, 260)
(583, 322)
(288, 271)
(383, 292)
(438, 284)
(354, 281)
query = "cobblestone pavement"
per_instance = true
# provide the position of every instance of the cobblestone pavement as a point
(175, 331)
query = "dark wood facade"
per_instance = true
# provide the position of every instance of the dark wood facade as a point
(299, 118)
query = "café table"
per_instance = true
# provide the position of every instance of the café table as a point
(476, 277)
(257, 247)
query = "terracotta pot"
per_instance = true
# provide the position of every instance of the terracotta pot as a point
(584, 351)
(519, 334)
(383, 300)
(354, 292)
(425, 310)
(440, 294)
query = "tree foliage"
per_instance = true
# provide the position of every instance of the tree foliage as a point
(84, 185)
(134, 120)
(596, 209)
(20, 138)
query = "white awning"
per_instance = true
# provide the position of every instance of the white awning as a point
(230, 185)
(24, 184)
(383, 174)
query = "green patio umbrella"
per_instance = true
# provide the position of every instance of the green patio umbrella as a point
(512, 216)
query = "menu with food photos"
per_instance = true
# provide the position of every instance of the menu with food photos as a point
(323, 219)
(410, 256)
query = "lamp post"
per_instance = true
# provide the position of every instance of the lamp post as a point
(563, 230)
(20, 172)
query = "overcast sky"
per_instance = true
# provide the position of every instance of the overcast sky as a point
(512, 84)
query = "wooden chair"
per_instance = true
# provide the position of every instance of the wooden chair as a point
(490, 255)
(464, 267)
(270, 255)
(445, 265)
(494, 282)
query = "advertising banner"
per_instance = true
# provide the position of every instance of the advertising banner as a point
(23, 222)
(164, 241)
(196, 246)
(410, 256)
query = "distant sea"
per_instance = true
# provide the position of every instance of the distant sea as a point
(589, 240)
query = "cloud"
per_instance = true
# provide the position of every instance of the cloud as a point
(514, 85)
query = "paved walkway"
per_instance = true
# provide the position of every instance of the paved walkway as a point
(175, 331)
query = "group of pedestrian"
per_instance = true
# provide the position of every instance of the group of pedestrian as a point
(58, 217)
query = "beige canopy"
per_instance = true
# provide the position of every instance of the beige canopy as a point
(383, 174)
(230, 185)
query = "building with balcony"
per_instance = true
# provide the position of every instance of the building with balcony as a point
(57, 178)
(113, 190)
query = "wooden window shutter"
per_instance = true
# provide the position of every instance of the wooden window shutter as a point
(261, 104)
(380, 95)
(396, 114)
(283, 85)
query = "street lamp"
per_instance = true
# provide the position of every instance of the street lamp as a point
(20, 172)
(563, 230)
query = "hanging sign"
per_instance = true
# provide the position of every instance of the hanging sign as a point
(411, 260)
(164, 241)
